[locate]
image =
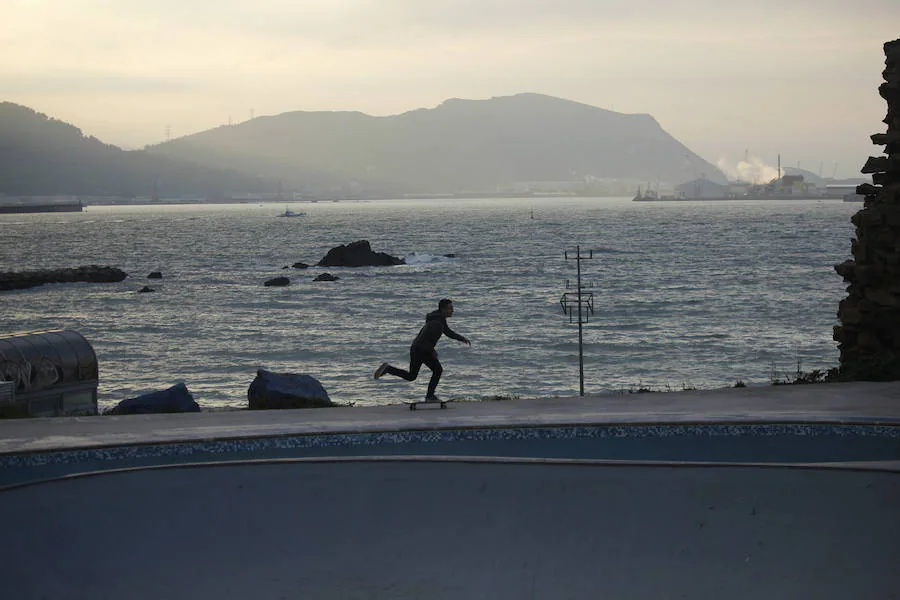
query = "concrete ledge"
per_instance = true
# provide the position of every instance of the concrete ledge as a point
(861, 402)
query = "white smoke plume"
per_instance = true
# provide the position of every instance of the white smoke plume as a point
(751, 169)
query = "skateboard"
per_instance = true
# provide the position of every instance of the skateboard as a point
(441, 403)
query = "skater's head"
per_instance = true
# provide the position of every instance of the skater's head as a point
(445, 306)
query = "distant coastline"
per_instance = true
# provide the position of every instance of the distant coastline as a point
(41, 204)
(727, 198)
(58, 204)
(287, 198)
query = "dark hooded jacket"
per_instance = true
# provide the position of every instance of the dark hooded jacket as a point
(435, 325)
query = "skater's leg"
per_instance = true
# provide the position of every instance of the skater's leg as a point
(436, 369)
(415, 363)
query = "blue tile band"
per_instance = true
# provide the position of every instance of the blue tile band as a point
(262, 446)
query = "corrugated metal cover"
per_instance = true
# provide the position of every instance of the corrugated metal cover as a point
(40, 360)
(7, 392)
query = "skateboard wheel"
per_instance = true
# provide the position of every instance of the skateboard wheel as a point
(443, 405)
(412, 407)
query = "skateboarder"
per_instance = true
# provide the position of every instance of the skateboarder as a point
(422, 349)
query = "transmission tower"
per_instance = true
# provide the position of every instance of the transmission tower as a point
(578, 302)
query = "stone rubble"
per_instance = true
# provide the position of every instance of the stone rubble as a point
(869, 334)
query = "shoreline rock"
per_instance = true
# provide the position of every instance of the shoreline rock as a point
(271, 390)
(176, 399)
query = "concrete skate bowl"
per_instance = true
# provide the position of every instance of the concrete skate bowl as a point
(441, 526)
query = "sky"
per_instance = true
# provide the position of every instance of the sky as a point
(730, 80)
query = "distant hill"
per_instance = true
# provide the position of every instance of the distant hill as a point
(503, 143)
(43, 156)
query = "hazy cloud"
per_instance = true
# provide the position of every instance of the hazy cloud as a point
(90, 83)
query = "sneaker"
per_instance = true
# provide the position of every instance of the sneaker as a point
(432, 399)
(380, 370)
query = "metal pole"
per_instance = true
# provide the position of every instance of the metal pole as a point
(580, 297)
(580, 349)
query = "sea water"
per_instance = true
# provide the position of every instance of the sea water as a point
(685, 294)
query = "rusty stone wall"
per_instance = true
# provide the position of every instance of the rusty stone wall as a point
(869, 334)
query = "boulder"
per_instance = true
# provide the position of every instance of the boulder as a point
(154, 275)
(176, 399)
(326, 277)
(357, 254)
(145, 289)
(286, 390)
(277, 281)
(20, 280)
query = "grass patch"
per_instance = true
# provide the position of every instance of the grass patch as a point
(801, 377)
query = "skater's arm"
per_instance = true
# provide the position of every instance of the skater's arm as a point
(452, 334)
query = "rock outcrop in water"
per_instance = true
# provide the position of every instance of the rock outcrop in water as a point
(277, 282)
(20, 280)
(357, 254)
(869, 334)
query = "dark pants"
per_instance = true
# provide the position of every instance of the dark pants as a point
(418, 357)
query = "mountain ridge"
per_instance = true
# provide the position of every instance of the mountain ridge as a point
(523, 142)
(41, 155)
(506, 142)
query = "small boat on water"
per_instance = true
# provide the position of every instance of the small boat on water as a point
(290, 213)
